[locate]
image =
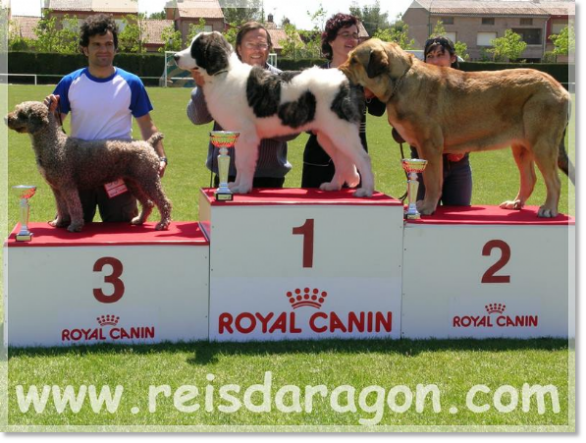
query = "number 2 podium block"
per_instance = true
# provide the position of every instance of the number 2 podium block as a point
(484, 272)
(299, 263)
(110, 283)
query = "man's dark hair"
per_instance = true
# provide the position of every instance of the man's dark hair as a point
(98, 24)
(252, 26)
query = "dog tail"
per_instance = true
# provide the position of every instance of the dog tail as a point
(155, 138)
(564, 162)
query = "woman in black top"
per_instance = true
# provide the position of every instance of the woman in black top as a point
(339, 38)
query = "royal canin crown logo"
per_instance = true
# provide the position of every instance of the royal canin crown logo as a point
(108, 320)
(312, 298)
(499, 321)
(108, 330)
(495, 308)
(317, 322)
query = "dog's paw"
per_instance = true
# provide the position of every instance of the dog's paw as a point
(75, 227)
(241, 189)
(425, 209)
(137, 220)
(362, 192)
(331, 186)
(512, 204)
(546, 213)
(59, 223)
(162, 226)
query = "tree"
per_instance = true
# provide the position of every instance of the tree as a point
(235, 13)
(15, 41)
(312, 39)
(54, 38)
(47, 33)
(158, 15)
(438, 29)
(371, 17)
(565, 42)
(510, 46)
(196, 29)
(292, 46)
(398, 33)
(462, 50)
(130, 39)
(172, 39)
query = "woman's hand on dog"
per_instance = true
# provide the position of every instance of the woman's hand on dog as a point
(197, 77)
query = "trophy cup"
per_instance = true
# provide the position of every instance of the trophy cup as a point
(412, 166)
(223, 140)
(24, 193)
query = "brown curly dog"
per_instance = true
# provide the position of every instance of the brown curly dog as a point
(70, 164)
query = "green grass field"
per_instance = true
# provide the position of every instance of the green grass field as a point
(454, 366)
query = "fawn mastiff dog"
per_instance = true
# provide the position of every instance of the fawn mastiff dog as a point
(444, 110)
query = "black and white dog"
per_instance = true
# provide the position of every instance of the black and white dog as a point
(259, 104)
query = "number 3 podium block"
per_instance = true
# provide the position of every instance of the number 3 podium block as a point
(110, 283)
(485, 272)
(298, 263)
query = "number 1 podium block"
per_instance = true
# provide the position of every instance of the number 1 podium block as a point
(113, 282)
(299, 263)
(484, 272)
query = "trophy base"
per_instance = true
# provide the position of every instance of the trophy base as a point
(410, 216)
(224, 196)
(24, 236)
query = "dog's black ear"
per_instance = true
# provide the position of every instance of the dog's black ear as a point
(218, 53)
(378, 63)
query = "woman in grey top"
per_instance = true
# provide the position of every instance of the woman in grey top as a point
(253, 44)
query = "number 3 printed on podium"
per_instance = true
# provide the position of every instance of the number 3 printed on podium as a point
(113, 279)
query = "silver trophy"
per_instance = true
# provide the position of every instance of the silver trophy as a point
(223, 140)
(24, 193)
(412, 166)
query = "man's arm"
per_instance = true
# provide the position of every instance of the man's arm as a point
(147, 129)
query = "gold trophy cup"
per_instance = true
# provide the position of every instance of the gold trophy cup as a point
(412, 166)
(223, 140)
(24, 193)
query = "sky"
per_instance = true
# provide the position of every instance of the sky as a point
(295, 10)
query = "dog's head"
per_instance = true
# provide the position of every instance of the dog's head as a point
(28, 117)
(376, 65)
(208, 50)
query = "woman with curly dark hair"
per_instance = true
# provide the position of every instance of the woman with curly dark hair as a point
(338, 39)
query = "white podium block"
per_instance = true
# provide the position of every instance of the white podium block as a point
(484, 272)
(113, 282)
(298, 263)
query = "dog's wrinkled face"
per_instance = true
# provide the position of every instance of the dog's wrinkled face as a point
(208, 50)
(28, 117)
(376, 64)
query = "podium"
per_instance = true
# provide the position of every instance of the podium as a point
(483, 272)
(303, 263)
(112, 282)
(280, 264)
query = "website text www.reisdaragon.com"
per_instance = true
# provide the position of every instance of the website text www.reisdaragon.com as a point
(369, 402)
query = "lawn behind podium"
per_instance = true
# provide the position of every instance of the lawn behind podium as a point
(454, 366)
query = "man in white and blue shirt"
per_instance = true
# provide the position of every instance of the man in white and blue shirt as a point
(102, 100)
